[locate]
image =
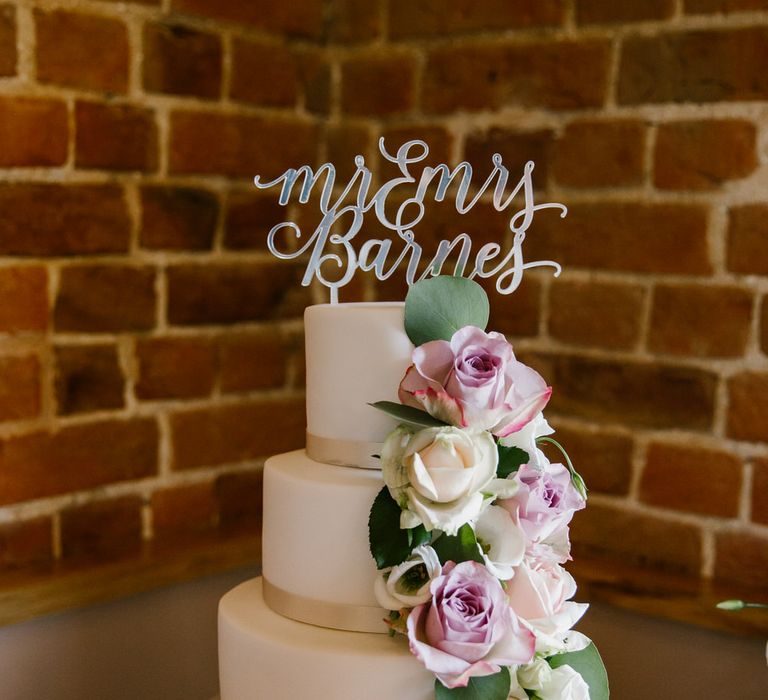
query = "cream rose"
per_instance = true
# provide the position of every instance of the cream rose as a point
(439, 476)
(564, 683)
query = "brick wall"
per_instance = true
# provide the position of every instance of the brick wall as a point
(151, 351)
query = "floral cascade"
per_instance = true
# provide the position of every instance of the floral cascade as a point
(470, 533)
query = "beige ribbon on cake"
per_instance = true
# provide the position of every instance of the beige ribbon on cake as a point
(339, 616)
(344, 453)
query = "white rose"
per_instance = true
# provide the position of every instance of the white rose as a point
(438, 475)
(501, 541)
(535, 675)
(539, 593)
(407, 585)
(564, 684)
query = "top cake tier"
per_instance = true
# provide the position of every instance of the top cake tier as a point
(356, 354)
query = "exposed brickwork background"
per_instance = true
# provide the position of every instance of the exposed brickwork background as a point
(151, 349)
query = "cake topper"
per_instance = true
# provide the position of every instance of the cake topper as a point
(330, 245)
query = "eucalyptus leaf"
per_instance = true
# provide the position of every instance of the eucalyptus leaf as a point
(390, 544)
(495, 687)
(510, 460)
(436, 308)
(408, 414)
(459, 547)
(589, 664)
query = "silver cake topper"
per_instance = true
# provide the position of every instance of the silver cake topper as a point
(327, 245)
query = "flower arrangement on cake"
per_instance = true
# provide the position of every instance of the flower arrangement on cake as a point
(470, 532)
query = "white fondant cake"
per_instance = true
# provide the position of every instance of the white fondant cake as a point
(316, 564)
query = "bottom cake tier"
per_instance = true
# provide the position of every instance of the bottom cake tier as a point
(263, 655)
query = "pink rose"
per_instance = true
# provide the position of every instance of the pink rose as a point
(474, 381)
(468, 629)
(545, 501)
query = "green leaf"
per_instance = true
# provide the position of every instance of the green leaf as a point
(459, 547)
(408, 414)
(390, 545)
(510, 460)
(589, 664)
(495, 687)
(436, 308)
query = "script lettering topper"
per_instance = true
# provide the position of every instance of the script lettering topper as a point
(343, 215)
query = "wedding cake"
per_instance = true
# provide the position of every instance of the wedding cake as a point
(415, 549)
(311, 626)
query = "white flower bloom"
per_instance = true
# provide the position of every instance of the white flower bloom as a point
(407, 585)
(564, 684)
(439, 474)
(535, 675)
(525, 439)
(501, 540)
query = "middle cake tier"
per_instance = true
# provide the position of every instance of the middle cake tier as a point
(317, 567)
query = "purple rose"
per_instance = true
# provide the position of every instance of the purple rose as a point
(468, 628)
(545, 501)
(474, 381)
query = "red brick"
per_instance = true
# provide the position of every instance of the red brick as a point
(742, 557)
(315, 78)
(101, 530)
(437, 137)
(692, 479)
(427, 18)
(83, 51)
(748, 239)
(603, 459)
(105, 299)
(343, 143)
(552, 74)
(702, 321)
(378, 84)
(26, 543)
(177, 218)
(253, 361)
(632, 393)
(701, 155)
(764, 325)
(7, 40)
(181, 61)
(350, 21)
(516, 149)
(760, 491)
(237, 433)
(693, 7)
(518, 314)
(239, 145)
(598, 314)
(34, 132)
(28, 287)
(296, 18)
(637, 539)
(601, 153)
(19, 387)
(115, 137)
(249, 218)
(619, 11)
(228, 293)
(88, 378)
(624, 236)
(748, 406)
(175, 367)
(183, 511)
(695, 66)
(265, 74)
(53, 219)
(76, 458)
(240, 496)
